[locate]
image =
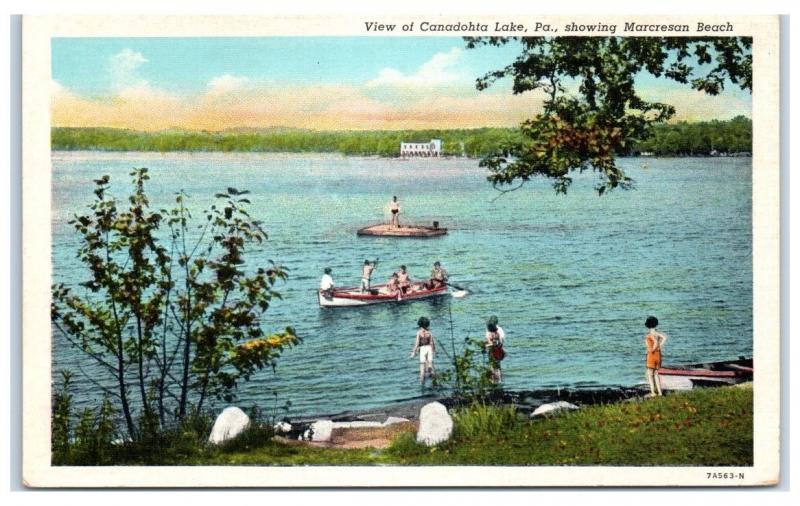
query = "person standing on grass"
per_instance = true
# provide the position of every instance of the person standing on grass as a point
(654, 342)
(394, 207)
(426, 346)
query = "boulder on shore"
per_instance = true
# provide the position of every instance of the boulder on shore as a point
(229, 424)
(321, 430)
(435, 424)
(553, 408)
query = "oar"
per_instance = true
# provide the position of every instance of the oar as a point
(460, 290)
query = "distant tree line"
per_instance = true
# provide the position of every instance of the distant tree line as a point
(699, 139)
(683, 138)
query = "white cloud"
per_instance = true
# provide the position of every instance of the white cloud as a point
(442, 68)
(124, 67)
(226, 83)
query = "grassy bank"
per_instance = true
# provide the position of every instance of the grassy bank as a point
(698, 138)
(705, 427)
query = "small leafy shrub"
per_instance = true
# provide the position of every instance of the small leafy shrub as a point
(479, 420)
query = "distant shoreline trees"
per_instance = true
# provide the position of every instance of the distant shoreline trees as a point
(672, 139)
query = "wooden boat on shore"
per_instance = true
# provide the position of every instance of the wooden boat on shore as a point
(344, 297)
(387, 230)
(687, 377)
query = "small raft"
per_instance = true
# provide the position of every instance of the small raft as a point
(387, 230)
(341, 297)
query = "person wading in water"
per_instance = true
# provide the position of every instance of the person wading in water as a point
(426, 346)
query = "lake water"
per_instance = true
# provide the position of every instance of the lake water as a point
(571, 278)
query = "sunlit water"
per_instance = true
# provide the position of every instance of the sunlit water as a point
(571, 278)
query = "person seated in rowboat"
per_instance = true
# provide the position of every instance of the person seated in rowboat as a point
(393, 286)
(439, 276)
(403, 278)
(326, 284)
(366, 274)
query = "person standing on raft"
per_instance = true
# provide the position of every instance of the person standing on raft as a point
(426, 346)
(394, 207)
(654, 342)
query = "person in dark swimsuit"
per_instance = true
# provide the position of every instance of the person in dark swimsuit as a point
(394, 206)
(425, 344)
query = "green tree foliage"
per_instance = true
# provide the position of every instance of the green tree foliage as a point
(666, 139)
(170, 321)
(592, 109)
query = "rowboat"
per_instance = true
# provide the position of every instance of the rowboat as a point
(687, 377)
(342, 297)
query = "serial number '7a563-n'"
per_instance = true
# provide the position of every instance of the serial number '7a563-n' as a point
(725, 476)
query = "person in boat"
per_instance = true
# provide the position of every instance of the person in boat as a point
(439, 276)
(403, 278)
(654, 342)
(393, 285)
(494, 346)
(394, 207)
(366, 274)
(326, 284)
(426, 346)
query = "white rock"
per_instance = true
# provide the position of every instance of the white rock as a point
(553, 408)
(395, 419)
(229, 424)
(435, 424)
(321, 430)
(282, 427)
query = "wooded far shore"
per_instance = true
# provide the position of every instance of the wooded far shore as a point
(704, 138)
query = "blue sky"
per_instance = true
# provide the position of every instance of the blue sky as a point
(311, 82)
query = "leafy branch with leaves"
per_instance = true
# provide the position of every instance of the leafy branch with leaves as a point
(592, 109)
(170, 325)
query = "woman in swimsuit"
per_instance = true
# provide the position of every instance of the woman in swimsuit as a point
(654, 342)
(426, 346)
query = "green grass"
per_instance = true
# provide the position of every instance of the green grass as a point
(703, 428)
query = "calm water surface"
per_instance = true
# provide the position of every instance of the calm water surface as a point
(571, 278)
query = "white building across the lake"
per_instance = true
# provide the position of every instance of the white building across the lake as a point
(424, 149)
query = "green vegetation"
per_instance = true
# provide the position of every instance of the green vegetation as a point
(593, 110)
(169, 318)
(705, 427)
(681, 139)
(702, 427)
(381, 143)
(698, 138)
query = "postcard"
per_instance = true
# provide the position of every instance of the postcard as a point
(401, 251)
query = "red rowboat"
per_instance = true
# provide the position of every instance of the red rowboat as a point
(709, 374)
(342, 297)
